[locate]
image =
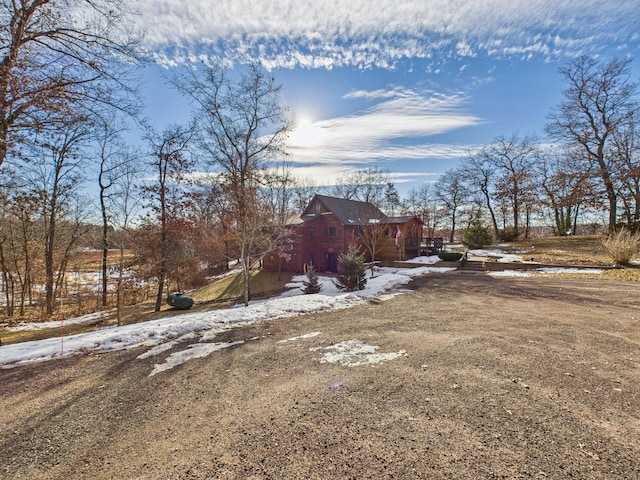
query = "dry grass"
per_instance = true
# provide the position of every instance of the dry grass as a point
(622, 246)
(578, 250)
(231, 286)
(584, 250)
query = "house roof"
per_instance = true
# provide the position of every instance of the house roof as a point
(352, 212)
(349, 212)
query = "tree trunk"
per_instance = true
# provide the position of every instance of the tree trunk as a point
(105, 248)
(246, 271)
(105, 253)
(160, 292)
(119, 287)
(48, 263)
(453, 226)
(9, 297)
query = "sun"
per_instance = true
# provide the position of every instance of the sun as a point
(303, 121)
(305, 133)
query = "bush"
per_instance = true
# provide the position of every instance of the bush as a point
(508, 234)
(621, 246)
(477, 235)
(311, 285)
(450, 256)
(352, 271)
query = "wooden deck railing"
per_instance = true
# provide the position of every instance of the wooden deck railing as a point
(428, 245)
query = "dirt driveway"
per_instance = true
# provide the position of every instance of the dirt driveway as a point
(499, 378)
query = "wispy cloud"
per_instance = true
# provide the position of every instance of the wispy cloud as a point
(397, 127)
(401, 115)
(365, 33)
(382, 93)
(393, 124)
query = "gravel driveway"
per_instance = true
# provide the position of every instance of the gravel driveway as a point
(473, 377)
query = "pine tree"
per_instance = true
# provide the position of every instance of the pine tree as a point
(353, 275)
(311, 285)
(477, 235)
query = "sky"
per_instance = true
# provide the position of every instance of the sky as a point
(176, 339)
(411, 86)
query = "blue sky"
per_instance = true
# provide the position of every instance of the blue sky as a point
(407, 86)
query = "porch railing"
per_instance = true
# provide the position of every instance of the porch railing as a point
(424, 245)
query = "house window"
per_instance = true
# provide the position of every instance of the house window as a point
(317, 209)
(312, 232)
(333, 231)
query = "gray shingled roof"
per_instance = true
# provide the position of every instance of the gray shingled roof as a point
(349, 212)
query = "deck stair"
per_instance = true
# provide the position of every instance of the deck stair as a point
(472, 266)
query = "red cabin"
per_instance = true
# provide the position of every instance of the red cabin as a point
(329, 225)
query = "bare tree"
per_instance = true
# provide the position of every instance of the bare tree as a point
(278, 192)
(210, 211)
(56, 173)
(422, 202)
(20, 250)
(365, 185)
(171, 162)
(626, 151)
(114, 162)
(123, 207)
(243, 128)
(9, 246)
(57, 56)
(303, 191)
(514, 159)
(452, 192)
(599, 101)
(565, 186)
(374, 233)
(480, 179)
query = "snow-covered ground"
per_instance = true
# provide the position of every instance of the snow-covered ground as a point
(201, 328)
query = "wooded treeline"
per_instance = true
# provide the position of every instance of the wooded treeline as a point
(184, 202)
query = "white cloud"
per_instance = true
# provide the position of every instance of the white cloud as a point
(381, 93)
(365, 33)
(395, 128)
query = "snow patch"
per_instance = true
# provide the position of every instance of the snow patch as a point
(301, 337)
(545, 270)
(355, 353)
(158, 349)
(91, 317)
(196, 350)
